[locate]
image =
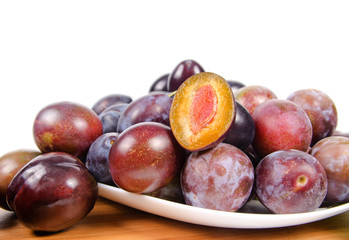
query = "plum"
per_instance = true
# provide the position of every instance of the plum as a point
(253, 95)
(243, 130)
(153, 107)
(145, 157)
(171, 191)
(202, 112)
(66, 127)
(10, 164)
(98, 155)
(160, 84)
(290, 181)
(280, 125)
(333, 153)
(109, 100)
(181, 72)
(320, 109)
(220, 178)
(235, 85)
(110, 117)
(52, 192)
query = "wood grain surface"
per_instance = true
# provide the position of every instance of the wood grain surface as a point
(110, 220)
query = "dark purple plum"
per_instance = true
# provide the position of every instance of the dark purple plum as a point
(235, 85)
(110, 117)
(333, 153)
(321, 111)
(66, 127)
(108, 100)
(280, 125)
(52, 192)
(10, 164)
(97, 157)
(145, 158)
(120, 107)
(220, 178)
(242, 132)
(290, 181)
(160, 84)
(181, 72)
(149, 108)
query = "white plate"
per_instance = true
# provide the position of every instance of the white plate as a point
(254, 215)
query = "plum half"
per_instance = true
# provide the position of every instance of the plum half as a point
(202, 112)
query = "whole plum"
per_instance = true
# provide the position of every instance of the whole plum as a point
(110, 117)
(98, 155)
(253, 95)
(145, 157)
(280, 125)
(243, 130)
(160, 84)
(220, 178)
(181, 72)
(10, 164)
(235, 85)
(153, 107)
(290, 181)
(66, 127)
(321, 111)
(52, 192)
(109, 100)
(333, 153)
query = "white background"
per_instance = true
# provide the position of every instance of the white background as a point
(83, 50)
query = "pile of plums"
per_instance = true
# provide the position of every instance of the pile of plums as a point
(194, 138)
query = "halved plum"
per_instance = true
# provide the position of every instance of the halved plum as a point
(202, 111)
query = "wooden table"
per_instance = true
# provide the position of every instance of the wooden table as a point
(110, 220)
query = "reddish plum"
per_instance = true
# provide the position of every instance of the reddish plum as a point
(10, 164)
(253, 95)
(280, 125)
(333, 153)
(321, 111)
(290, 181)
(66, 127)
(145, 157)
(52, 192)
(220, 178)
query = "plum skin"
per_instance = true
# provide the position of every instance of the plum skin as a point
(98, 155)
(52, 192)
(280, 125)
(290, 181)
(321, 110)
(66, 127)
(10, 164)
(153, 107)
(333, 153)
(220, 178)
(145, 157)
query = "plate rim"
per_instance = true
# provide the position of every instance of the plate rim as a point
(222, 219)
